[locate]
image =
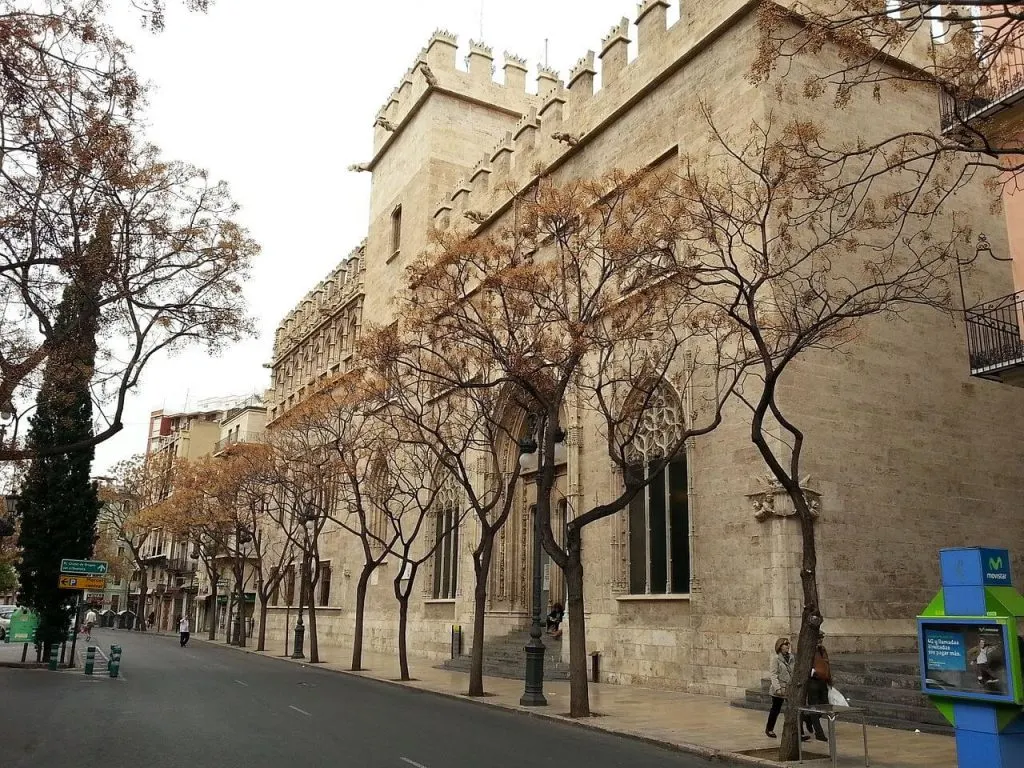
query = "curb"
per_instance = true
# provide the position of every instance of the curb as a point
(709, 753)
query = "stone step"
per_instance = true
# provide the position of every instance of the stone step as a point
(504, 656)
(552, 671)
(896, 664)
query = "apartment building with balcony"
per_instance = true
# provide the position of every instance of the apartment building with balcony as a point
(172, 437)
(985, 110)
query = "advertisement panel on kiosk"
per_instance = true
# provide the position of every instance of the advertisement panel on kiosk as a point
(971, 658)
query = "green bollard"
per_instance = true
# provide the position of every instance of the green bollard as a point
(90, 659)
(114, 662)
(53, 658)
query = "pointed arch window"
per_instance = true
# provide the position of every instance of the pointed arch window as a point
(659, 516)
(446, 544)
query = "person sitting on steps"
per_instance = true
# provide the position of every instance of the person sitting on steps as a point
(555, 616)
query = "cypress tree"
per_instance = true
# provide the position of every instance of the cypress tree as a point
(59, 503)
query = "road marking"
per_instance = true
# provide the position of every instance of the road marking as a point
(245, 685)
(300, 710)
(413, 763)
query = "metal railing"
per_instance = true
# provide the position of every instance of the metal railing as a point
(1000, 83)
(994, 339)
(237, 437)
(181, 565)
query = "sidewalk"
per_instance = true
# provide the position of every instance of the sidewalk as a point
(10, 654)
(704, 725)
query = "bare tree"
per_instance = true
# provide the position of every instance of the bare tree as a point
(305, 481)
(418, 524)
(797, 252)
(75, 170)
(467, 430)
(567, 304)
(342, 419)
(134, 487)
(254, 471)
(969, 53)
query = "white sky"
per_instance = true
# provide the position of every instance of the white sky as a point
(278, 97)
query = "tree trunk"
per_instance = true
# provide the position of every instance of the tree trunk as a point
(579, 690)
(261, 642)
(140, 616)
(357, 636)
(810, 625)
(314, 646)
(403, 650)
(482, 571)
(213, 610)
(240, 608)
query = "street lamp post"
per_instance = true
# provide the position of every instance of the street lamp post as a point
(533, 694)
(300, 628)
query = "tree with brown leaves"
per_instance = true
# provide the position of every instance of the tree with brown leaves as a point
(567, 308)
(135, 486)
(467, 433)
(304, 482)
(799, 254)
(969, 54)
(342, 418)
(251, 470)
(82, 194)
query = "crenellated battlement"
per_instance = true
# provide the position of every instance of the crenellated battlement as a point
(330, 295)
(436, 67)
(600, 84)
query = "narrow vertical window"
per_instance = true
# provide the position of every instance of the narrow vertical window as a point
(275, 594)
(325, 584)
(396, 230)
(446, 548)
(289, 586)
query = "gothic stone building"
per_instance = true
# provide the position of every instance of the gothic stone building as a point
(905, 453)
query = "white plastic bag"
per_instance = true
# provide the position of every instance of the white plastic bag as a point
(836, 699)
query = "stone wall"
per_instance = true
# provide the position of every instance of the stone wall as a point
(906, 453)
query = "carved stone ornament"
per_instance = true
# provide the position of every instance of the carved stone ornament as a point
(771, 499)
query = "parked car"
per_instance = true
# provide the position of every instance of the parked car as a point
(5, 620)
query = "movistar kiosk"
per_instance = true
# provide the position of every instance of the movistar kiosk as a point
(971, 656)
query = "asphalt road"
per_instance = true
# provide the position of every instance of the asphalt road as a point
(210, 707)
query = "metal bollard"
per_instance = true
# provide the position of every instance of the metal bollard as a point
(53, 657)
(114, 662)
(90, 659)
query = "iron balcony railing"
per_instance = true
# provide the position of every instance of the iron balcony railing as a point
(1000, 83)
(237, 437)
(181, 565)
(994, 341)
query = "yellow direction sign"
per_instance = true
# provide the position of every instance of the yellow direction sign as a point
(81, 582)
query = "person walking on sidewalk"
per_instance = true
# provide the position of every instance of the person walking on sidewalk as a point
(780, 671)
(90, 622)
(183, 630)
(817, 687)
